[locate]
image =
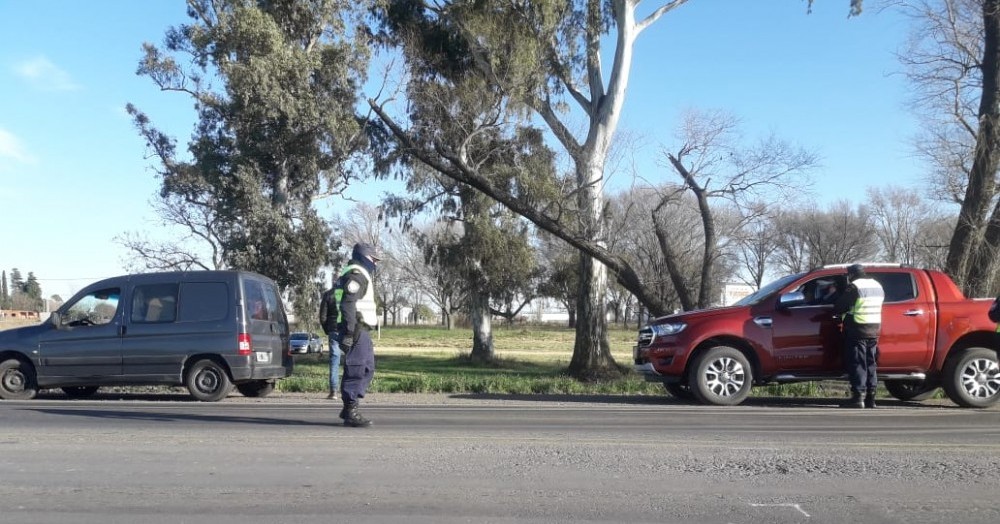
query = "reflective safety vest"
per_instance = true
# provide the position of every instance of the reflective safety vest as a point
(868, 307)
(366, 304)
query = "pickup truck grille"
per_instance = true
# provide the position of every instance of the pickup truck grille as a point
(645, 337)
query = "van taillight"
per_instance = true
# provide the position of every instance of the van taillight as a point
(243, 344)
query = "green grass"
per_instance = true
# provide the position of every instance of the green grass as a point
(435, 360)
(529, 361)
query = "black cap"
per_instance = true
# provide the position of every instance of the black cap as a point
(855, 271)
(362, 250)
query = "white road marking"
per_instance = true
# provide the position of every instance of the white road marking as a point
(785, 505)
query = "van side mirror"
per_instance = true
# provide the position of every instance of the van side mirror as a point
(791, 299)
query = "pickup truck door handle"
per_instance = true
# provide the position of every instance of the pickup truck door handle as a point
(764, 322)
(913, 312)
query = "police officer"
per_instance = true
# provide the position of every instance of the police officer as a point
(861, 307)
(354, 294)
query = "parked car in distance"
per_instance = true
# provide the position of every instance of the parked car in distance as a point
(932, 336)
(302, 342)
(206, 330)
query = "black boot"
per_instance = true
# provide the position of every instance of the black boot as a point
(354, 419)
(343, 412)
(853, 402)
(870, 399)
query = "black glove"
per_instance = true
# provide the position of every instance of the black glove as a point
(347, 343)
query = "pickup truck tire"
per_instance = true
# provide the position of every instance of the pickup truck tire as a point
(910, 390)
(679, 390)
(17, 380)
(972, 378)
(721, 376)
(207, 381)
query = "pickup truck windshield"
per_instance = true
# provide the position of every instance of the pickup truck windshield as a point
(762, 293)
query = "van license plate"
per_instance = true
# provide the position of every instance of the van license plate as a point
(263, 356)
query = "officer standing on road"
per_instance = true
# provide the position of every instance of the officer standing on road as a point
(354, 295)
(328, 314)
(861, 307)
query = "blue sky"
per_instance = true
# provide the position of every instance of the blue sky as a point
(74, 172)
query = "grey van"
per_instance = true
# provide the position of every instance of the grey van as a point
(205, 330)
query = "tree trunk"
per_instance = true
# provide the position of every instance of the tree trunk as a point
(482, 326)
(966, 252)
(591, 352)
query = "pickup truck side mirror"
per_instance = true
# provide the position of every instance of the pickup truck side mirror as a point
(56, 319)
(791, 299)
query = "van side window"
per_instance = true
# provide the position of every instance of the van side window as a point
(154, 303)
(204, 301)
(898, 287)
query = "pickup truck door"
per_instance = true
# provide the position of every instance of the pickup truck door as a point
(806, 339)
(909, 317)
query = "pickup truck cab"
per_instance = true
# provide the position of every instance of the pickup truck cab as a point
(932, 336)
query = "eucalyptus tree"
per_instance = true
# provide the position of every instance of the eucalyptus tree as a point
(274, 85)
(540, 56)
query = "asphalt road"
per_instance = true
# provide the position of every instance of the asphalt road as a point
(160, 459)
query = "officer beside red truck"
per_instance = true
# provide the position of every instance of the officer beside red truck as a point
(931, 336)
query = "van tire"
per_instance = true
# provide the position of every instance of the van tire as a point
(207, 381)
(17, 380)
(972, 377)
(721, 376)
(256, 388)
(80, 391)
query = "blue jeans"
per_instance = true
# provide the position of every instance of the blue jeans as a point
(334, 363)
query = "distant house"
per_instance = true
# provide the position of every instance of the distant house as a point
(732, 292)
(17, 314)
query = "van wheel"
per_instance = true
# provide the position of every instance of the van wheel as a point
(721, 376)
(17, 380)
(910, 390)
(678, 390)
(256, 388)
(972, 378)
(80, 391)
(207, 381)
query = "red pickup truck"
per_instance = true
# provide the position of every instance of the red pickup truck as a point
(932, 336)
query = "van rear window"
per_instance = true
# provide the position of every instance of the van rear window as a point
(204, 301)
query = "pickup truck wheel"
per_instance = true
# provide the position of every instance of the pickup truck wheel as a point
(972, 378)
(17, 380)
(721, 376)
(909, 390)
(207, 381)
(679, 390)
(256, 388)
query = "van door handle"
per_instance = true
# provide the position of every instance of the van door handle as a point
(764, 322)
(913, 313)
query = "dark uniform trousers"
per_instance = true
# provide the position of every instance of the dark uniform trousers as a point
(860, 360)
(359, 368)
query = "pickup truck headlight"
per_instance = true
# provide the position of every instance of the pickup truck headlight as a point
(671, 328)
